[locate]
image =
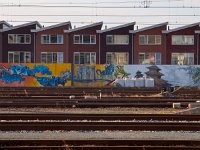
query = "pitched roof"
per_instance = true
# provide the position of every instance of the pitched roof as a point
(117, 27)
(181, 28)
(5, 23)
(22, 25)
(154, 67)
(51, 27)
(84, 27)
(148, 28)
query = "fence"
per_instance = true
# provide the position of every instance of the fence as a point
(98, 75)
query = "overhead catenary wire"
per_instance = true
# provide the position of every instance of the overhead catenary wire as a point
(105, 4)
(96, 2)
(101, 15)
(105, 22)
(92, 6)
(98, 6)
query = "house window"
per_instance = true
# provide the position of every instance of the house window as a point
(77, 39)
(182, 39)
(52, 39)
(150, 39)
(19, 57)
(52, 57)
(85, 39)
(182, 58)
(150, 58)
(85, 58)
(117, 39)
(19, 38)
(117, 58)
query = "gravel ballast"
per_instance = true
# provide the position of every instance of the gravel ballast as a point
(117, 110)
(51, 135)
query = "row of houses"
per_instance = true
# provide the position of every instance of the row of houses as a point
(90, 44)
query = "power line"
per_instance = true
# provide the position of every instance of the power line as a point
(104, 7)
(99, 15)
(128, 4)
(105, 2)
(88, 22)
(146, 3)
(97, 2)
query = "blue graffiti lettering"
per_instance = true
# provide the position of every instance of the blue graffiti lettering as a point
(8, 78)
(16, 73)
(109, 71)
(51, 81)
(42, 70)
(23, 70)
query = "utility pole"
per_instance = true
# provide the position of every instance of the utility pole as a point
(146, 3)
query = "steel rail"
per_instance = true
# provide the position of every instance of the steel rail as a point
(73, 116)
(98, 126)
(91, 144)
(93, 102)
(87, 105)
(93, 147)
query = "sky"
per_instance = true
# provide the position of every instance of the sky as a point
(111, 12)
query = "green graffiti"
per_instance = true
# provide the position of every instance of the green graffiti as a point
(120, 72)
(196, 75)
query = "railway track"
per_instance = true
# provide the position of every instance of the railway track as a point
(61, 97)
(102, 122)
(101, 144)
(99, 126)
(77, 90)
(92, 102)
(82, 91)
(93, 97)
(93, 117)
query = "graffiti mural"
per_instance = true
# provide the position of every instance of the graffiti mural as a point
(93, 75)
(85, 73)
(194, 72)
(137, 75)
(107, 71)
(196, 75)
(35, 74)
(166, 75)
(99, 75)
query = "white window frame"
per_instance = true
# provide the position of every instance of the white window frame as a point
(60, 58)
(78, 53)
(147, 39)
(155, 55)
(184, 37)
(113, 40)
(25, 54)
(78, 40)
(49, 36)
(15, 37)
(52, 54)
(81, 40)
(112, 37)
(183, 58)
(116, 53)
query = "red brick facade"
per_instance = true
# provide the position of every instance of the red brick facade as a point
(186, 30)
(85, 30)
(153, 30)
(57, 30)
(132, 50)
